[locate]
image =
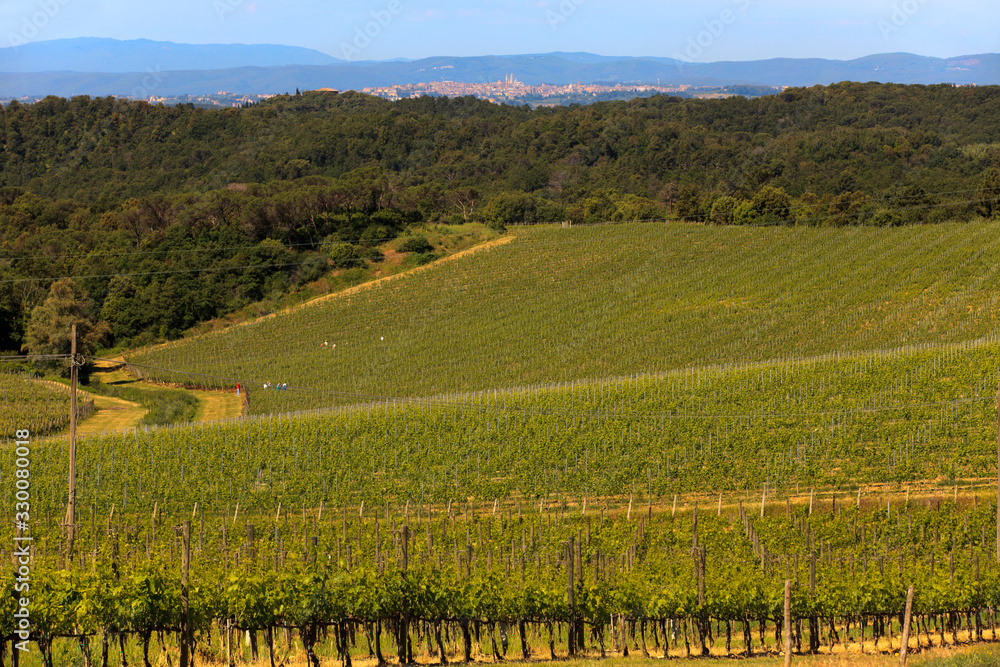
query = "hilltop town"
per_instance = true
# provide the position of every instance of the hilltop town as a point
(510, 89)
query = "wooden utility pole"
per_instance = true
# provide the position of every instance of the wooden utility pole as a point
(71, 502)
(998, 474)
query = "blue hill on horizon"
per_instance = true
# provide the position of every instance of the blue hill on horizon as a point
(98, 67)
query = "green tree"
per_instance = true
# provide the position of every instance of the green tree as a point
(632, 207)
(48, 330)
(510, 208)
(602, 206)
(885, 217)
(689, 203)
(123, 312)
(312, 269)
(723, 210)
(772, 206)
(744, 214)
(852, 208)
(988, 194)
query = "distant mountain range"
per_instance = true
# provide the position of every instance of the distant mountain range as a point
(144, 68)
(95, 54)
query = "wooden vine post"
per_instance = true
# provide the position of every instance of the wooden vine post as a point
(185, 602)
(403, 642)
(998, 474)
(570, 598)
(904, 646)
(788, 622)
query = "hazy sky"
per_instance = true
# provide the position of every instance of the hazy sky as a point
(704, 30)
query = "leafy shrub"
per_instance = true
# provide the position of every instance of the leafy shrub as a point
(377, 235)
(312, 269)
(342, 255)
(510, 208)
(417, 244)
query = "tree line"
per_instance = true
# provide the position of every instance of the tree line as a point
(175, 215)
(152, 267)
(823, 140)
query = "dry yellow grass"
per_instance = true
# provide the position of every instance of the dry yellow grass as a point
(115, 414)
(111, 414)
(952, 656)
(217, 405)
(212, 405)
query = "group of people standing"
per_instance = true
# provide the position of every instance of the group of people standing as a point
(283, 386)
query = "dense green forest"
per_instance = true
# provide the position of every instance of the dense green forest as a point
(169, 216)
(821, 140)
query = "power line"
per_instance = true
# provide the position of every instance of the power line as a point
(131, 253)
(37, 357)
(256, 246)
(210, 269)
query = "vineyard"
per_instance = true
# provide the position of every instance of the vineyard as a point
(838, 421)
(587, 441)
(349, 526)
(494, 581)
(561, 305)
(27, 403)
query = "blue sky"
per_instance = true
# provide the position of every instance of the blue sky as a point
(703, 31)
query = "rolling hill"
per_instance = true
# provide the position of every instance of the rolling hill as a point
(560, 305)
(388, 488)
(632, 358)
